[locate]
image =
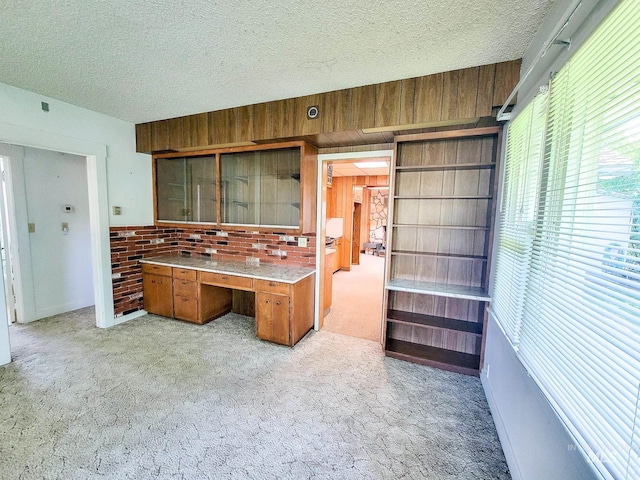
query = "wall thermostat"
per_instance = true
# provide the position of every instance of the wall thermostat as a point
(68, 208)
(313, 112)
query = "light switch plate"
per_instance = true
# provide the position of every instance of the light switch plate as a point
(302, 242)
(32, 228)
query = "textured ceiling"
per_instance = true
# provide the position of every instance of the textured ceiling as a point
(153, 59)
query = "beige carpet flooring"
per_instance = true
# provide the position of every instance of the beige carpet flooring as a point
(356, 308)
(156, 398)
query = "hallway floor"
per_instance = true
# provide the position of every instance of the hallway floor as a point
(356, 308)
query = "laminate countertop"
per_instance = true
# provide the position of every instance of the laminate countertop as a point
(263, 271)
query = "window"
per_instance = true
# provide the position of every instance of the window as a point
(567, 283)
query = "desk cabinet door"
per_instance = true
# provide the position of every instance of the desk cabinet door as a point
(158, 294)
(272, 317)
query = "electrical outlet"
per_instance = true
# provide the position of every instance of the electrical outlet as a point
(32, 228)
(302, 242)
(210, 250)
(65, 228)
(156, 241)
(117, 210)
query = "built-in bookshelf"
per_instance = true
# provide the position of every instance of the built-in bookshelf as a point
(441, 212)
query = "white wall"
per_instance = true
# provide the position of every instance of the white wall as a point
(60, 261)
(128, 173)
(535, 441)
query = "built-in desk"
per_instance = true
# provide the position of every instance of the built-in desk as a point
(200, 290)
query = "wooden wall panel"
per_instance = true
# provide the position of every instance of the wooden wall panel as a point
(160, 135)
(302, 125)
(363, 100)
(262, 121)
(484, 101)
(143, 137)
(283, 118)
(460, 94)
(428, 98)
(244, 124)
(387, 104)
(467, 92)
(506, 78)
(342, 110)
(407, 101)
(195, 130)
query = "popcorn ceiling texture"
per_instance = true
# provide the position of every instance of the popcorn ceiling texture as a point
(143, 61)
(130, 244)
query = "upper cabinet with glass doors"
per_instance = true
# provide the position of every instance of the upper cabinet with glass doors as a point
(263, 187)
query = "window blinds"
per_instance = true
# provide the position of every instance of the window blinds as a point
(517, 213)
(577, 320)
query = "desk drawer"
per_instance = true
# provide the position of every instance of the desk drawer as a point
(224, 280)
(184, 274)
(185, 288)
(156, 269)
(185, 308)
(272, 287)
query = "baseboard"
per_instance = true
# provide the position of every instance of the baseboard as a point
(503, 435)
(130, 316)
(67, 307)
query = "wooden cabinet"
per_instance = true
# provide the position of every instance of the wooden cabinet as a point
(265, 187)
(185, 295)
(339, 247)
(329, 268)
(284, 312)
(158, 290)
(272, 317)
(442, 210)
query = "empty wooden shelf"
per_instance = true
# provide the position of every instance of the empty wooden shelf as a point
(442, 209)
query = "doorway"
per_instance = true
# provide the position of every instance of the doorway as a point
(51, 238)
(356, 287)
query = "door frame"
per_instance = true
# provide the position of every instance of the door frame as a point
(96, 157)
(321, 202)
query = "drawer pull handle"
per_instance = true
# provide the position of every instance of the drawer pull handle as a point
(159, 282)
(273, 284)
(266, 301)
(225, 277)
(153, 281)
(278, 302)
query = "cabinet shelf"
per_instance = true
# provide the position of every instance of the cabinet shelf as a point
(443, 197)
(438, 289)
(432, 321)
(442, 255)
(436, 357)
(456, 166)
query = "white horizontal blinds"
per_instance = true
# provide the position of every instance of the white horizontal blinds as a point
(580, 335)
(518, 213)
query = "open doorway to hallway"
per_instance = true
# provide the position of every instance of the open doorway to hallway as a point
(355, 216)
(50, 239)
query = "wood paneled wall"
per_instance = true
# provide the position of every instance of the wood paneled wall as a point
(456, 95)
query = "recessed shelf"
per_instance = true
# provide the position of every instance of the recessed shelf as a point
(437, 357)
(432, 321)
(457, 166)
(436, 254)
(438, 289)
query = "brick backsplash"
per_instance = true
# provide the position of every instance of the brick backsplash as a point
(130, 244)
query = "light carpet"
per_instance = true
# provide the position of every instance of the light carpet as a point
(356, 308)
(158, 398)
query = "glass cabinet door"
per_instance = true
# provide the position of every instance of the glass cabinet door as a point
(261, 188)
(186, 189)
